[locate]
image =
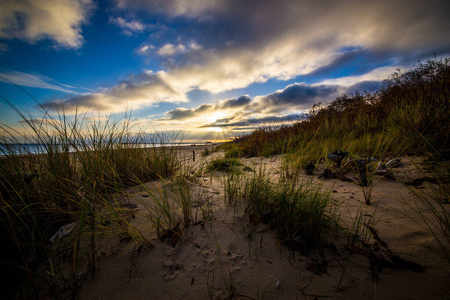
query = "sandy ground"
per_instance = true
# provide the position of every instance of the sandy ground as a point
(225, 257)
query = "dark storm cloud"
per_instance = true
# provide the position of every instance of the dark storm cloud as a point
(378, 26)
(299, 95)
(351, 58)
(183, 113)
(239, 102)
(269, 108)
(257, 121)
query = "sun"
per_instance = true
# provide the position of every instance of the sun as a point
(215, 129)
(217, 115)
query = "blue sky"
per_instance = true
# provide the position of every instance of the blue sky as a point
(207, 68)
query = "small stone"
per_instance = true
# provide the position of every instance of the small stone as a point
(247, 169)
(309, 169)
(393, 163)
(337, 156)
(328, 174)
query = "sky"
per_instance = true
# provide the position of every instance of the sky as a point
(208, 69)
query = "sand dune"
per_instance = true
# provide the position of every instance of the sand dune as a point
(227, 258)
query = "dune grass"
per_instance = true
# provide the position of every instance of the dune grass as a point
(410, 105)
(224, 165)
(80, 168)
(301, 213)
(430, 203)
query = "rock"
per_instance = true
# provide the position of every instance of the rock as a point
(309, 169)
(328, 174)
(247, 169)
(393, 163)
(346, 179)
(419, 181)
(337, 156)
(360, 164)
(62, 232)
(381, 172)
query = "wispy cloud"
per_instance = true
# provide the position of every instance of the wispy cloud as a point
(41, 122)
(145, 48)
(128, 26)
(36, 81)
(173, 8)
(378, 74)
(3, 48)
(138, 91)
(34, 20)
(169, 49)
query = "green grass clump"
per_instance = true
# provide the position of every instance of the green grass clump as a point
(224, 165)
(300, 213)
(206, 152)
(176, 203)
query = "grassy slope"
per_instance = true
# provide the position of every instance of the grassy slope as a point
(408, 114)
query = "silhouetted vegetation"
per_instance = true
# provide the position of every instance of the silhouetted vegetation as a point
(77, 175)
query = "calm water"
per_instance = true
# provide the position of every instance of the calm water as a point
(40, 149)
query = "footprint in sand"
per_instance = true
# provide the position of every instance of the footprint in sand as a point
(172, 269)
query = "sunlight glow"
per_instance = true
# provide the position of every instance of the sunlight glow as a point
(215, 129)
(215, 116)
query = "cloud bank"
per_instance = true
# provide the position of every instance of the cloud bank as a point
(235, 116)
(243, 42)
(232, 44)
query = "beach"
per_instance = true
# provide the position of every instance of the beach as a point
(224, 256)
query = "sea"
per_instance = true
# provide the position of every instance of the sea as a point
(20, 149)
